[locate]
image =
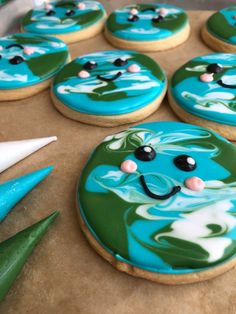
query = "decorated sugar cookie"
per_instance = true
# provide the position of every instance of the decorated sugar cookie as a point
(203, 91)
(27, 64)
(70, 21)
(219, 33)
(159, 201)
(109, 88)
(147, 27)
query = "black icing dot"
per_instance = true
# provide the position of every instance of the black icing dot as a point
(214, 68)
(133, 18)
(90, 65)
(120, 62)
(0, 57)
(16, 60)
(185, 163)
(70, 12)
(158, 19)
(50, 13)
(145, 153)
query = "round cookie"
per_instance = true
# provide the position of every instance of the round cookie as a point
(109, 88)
(27, 64)
(219, 32)
(158, 201)
(70, 21)
(203, 92)
(147, 27)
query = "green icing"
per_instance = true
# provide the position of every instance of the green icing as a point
(15, 251)
(219, 26)
(171, 23)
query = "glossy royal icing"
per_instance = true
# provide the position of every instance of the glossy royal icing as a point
(109, 82)
(206, 87)
(152, 217)
(27, 59)
(222, 24)
(144, 22)
(63, 17)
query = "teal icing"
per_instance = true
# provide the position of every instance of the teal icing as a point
(144, 29)
(207, 100)
(11, 192)
(36, 20)
(49, 56)
(130, 92)
(205, 221)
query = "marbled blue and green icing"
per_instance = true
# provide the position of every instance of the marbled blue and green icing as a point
(37, 20)
(145, 29)
(129, 92)
(189, 232)
(209, 101)
(49, 56)
(222, 24)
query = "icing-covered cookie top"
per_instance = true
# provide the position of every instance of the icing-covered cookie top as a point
(162, 196)
(61, 17)
(222, 24)
(109, 82)
(206, 87)
(27, 59)
(151, 21)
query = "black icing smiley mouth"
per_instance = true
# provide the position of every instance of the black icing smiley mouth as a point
(109, 79)
(222, 84)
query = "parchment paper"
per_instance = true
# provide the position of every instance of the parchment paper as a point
(64, 274)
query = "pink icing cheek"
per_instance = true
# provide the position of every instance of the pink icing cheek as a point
(234, 17)
(133, 11)
(195, 184)
(134, 68)
(128, 166)
(83, 74)
(207, 77)
(163, 11)
(28, 50)
(81, 6)
(48, 6)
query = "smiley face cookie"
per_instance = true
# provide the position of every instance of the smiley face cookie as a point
(109, 88)
(219, 33)
(28, 63)
(203, 92)
(158, 201)
(147, 27)
(70, 21)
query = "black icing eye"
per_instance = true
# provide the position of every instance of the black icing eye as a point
(50, 13)
(215, 68)
(90, 65)
(158, 19)
(133, 18)
(70, 12)
(120, 62)
(185, 163)
(16, 60)
(145, 153)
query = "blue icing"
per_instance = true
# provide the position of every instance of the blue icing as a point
(11, 192)
(37, 20)
(186, 216)
(143, 29)
(210, 101)
(129, 92)
(22, 74)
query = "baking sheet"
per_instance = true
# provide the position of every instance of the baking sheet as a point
(64, 274)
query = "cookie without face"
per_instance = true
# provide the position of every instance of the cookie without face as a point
(203, 91)
(159, 201)
(147, 27)
(219, 33)
(109, 88)
(28, 63)
(70, 21)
